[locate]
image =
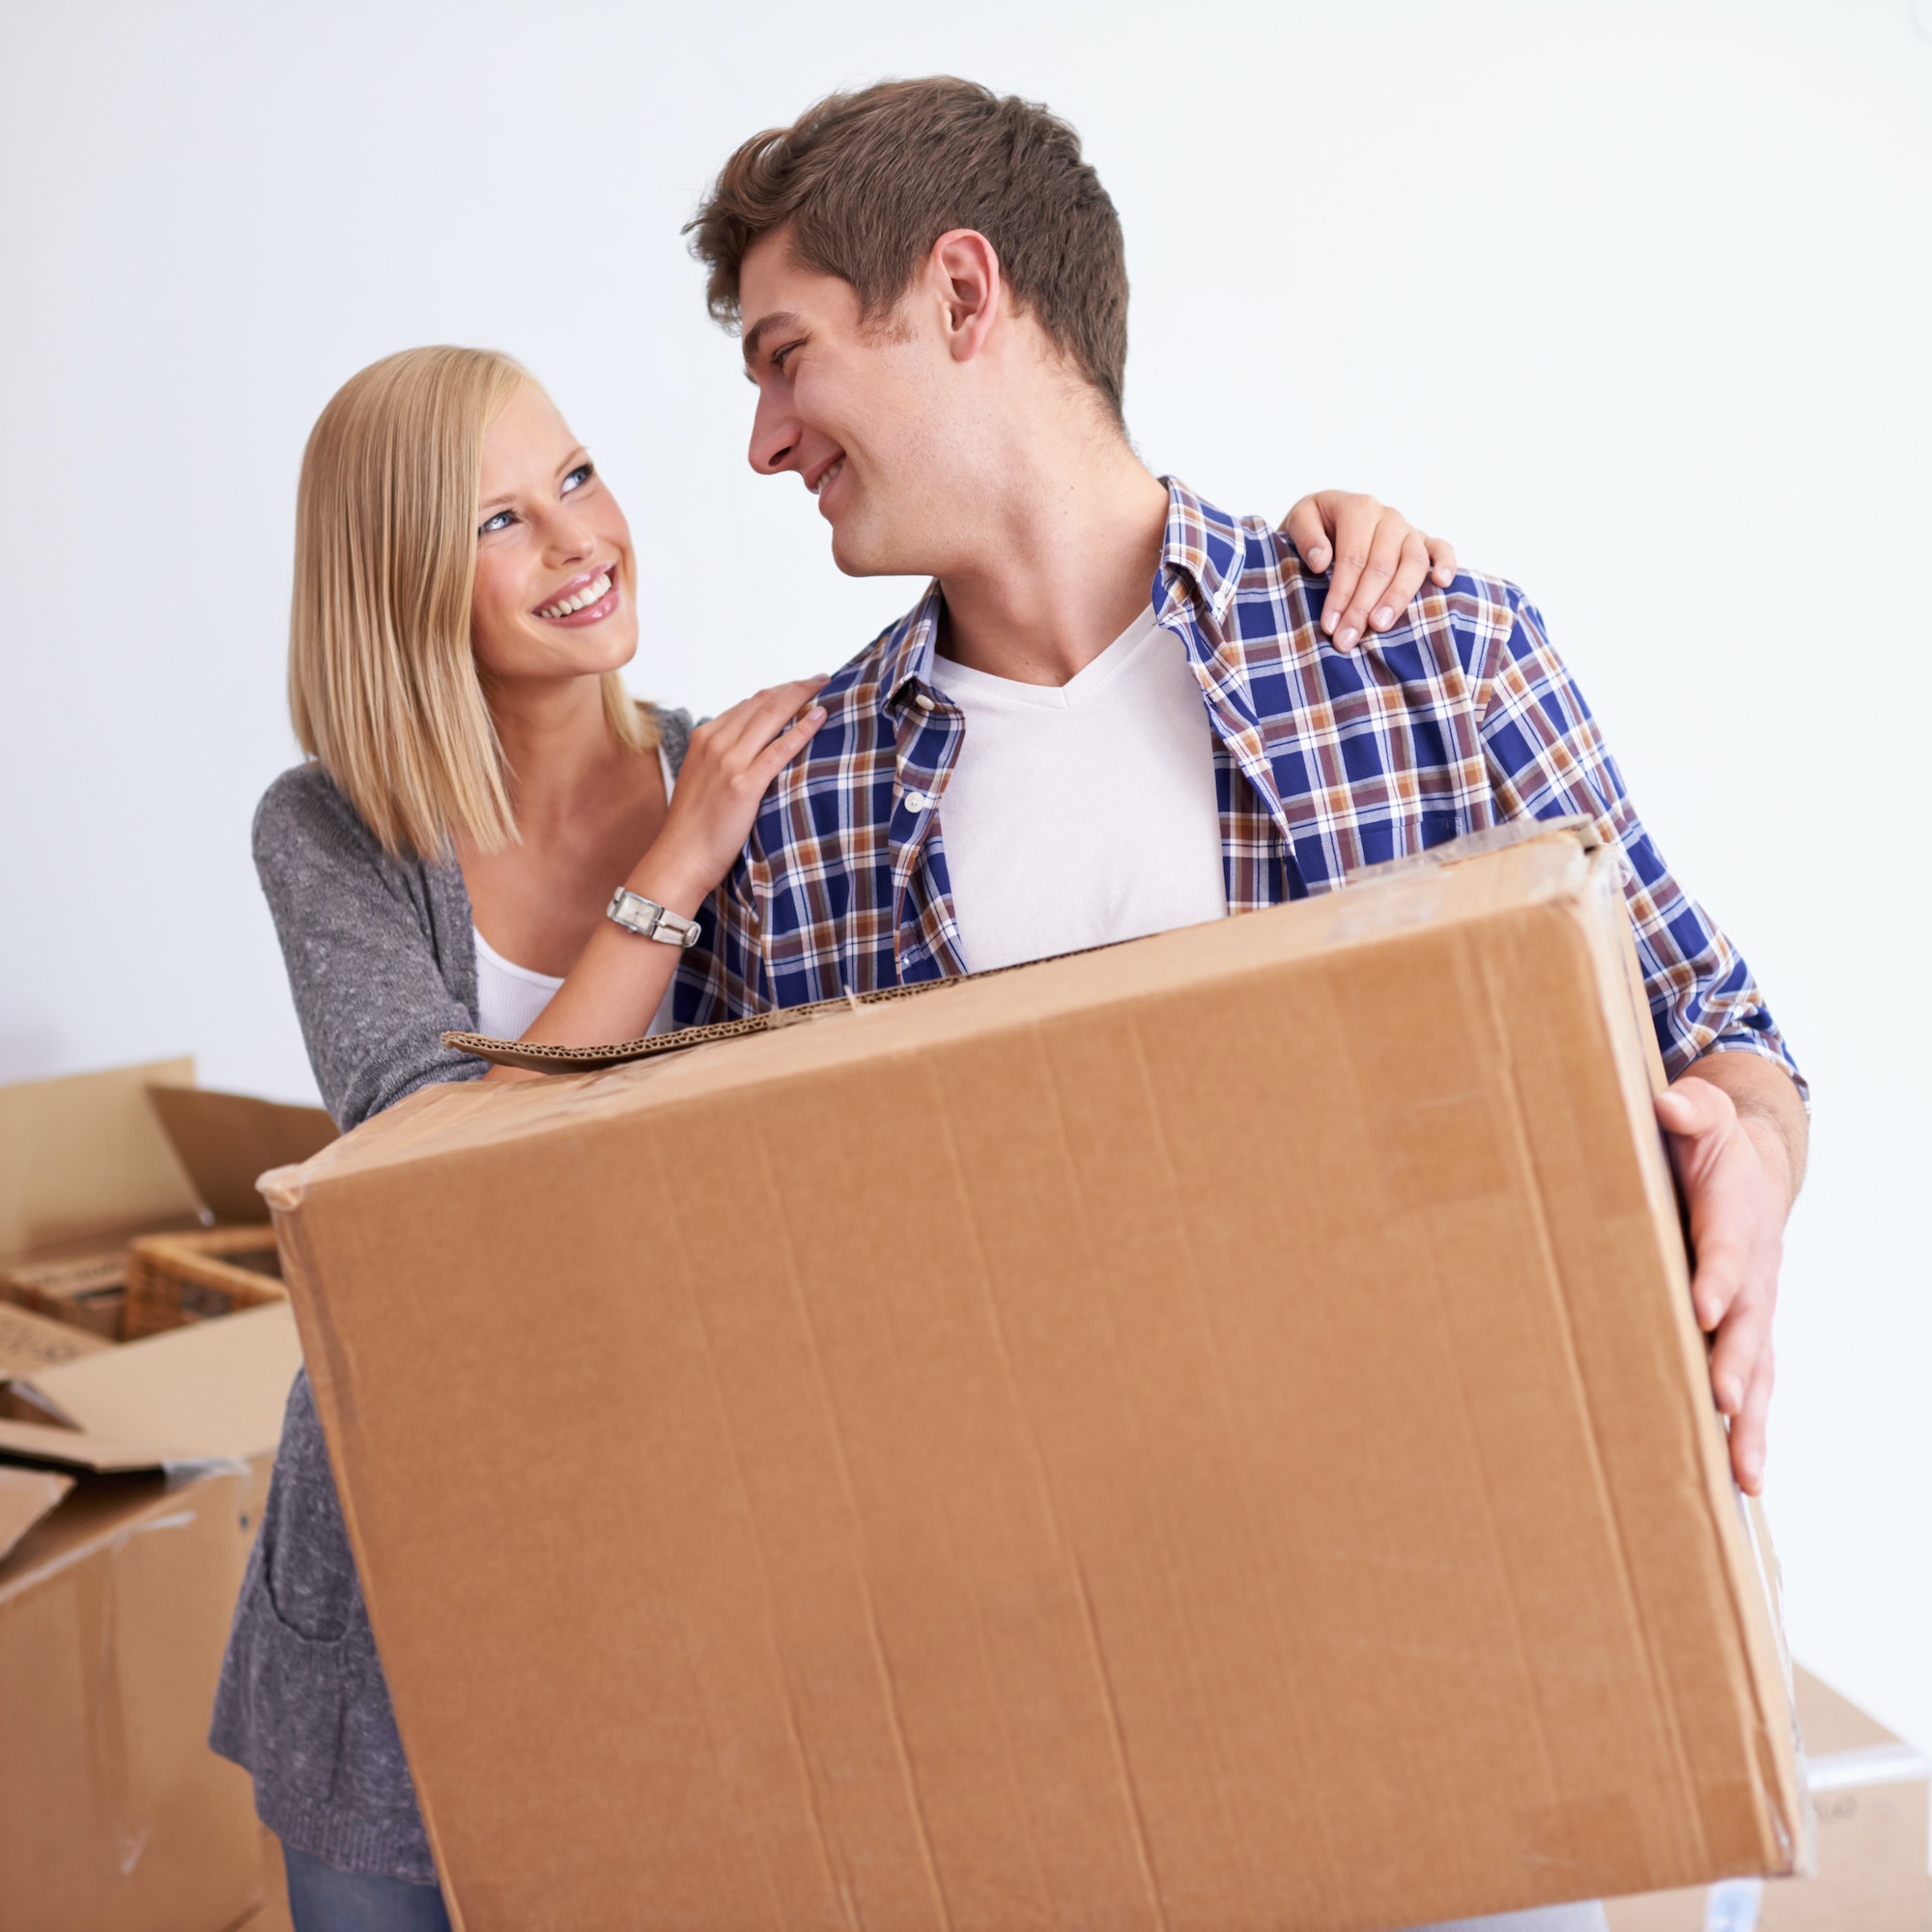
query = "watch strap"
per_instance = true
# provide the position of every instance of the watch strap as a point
(648, 920)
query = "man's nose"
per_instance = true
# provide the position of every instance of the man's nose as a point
(774, 435)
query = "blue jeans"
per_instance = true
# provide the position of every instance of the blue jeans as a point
(323, 1899)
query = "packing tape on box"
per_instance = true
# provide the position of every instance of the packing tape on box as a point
(1771, 1582)
(1732, 1904)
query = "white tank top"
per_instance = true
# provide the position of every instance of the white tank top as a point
(509, 997)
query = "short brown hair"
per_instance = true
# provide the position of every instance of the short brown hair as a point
(866, 183)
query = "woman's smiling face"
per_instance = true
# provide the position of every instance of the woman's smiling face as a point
(554, 591)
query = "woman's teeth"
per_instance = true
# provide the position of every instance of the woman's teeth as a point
(600, 586)
(828, 477)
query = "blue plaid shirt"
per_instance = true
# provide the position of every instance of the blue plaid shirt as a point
(1461, 717)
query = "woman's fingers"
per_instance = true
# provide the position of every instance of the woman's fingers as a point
(1411, 569)
(787, 745)
(1378, 562)
(741, 733)
(1305, 531)
(772, 711)
(1355, 518)
(1749, 1427)
(1368, 592)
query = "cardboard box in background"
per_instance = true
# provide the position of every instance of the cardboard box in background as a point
(1208, 1433)
(89, 1162)
(114, 1814)
(1870, 1791)
(142, 1466)
(30, 1342)
(96, 1147)
(213, 1391)
(26, 1495)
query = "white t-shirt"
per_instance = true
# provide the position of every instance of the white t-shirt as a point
(509, 997)
(1084, 813)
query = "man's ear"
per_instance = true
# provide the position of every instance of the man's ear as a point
(965, 273)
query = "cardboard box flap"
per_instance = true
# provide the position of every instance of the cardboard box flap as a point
(211, 1390)
(30, 1342)
(1572, 830)
(1848, 1749)
(226, 1140)
(26, 1495)
(84, 1158)
(75, 1449)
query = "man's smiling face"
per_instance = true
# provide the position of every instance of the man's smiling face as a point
(857, 408)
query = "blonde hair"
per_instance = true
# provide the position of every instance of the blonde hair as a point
(383, 686)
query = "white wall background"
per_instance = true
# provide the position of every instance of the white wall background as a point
(1633, 303)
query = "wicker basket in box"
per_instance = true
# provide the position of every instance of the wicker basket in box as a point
(175, 1279)
(87, 1292)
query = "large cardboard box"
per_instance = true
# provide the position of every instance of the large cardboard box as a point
(1871, 1790)
(1208, 1434)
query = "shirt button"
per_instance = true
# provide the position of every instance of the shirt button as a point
(917, 801)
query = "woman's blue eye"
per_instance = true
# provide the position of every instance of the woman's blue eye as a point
(499, 522)
(578, 477)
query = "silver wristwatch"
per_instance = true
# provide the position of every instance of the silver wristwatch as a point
(650, 920)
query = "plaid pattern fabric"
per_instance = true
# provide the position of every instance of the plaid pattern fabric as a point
(1462, 717)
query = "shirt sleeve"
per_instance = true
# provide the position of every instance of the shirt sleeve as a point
(723, 976)
(1547, 759)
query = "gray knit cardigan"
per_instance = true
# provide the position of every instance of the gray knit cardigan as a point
(382, 961)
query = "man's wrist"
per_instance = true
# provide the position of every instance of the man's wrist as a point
(1774, 1148)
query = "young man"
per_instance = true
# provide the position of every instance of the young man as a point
(1116, 710)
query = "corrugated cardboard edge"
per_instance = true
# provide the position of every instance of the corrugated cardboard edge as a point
(1771, 1580)
(1751, 1575)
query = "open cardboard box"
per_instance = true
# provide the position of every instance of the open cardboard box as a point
(1208, 1434)
(86, 1163)
(90, 1162)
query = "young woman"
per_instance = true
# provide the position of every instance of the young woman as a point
(477, 784)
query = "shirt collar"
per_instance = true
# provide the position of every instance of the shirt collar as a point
(909, 650)
(1205, 544)
(1202, 544)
